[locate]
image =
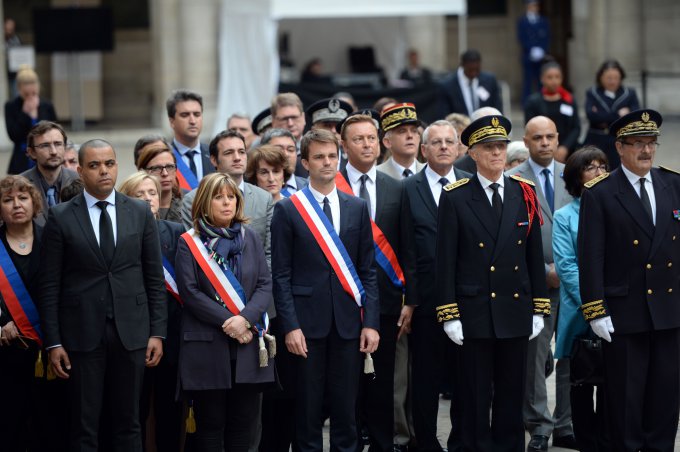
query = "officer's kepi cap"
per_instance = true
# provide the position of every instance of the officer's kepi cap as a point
(486, 128)
(637, 123)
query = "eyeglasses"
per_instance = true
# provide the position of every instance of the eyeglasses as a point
(48, 146)
(293, 118)
(591, 168)
(640, 145)
(158, 169)
(440, 143)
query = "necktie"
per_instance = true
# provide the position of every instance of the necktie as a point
(51, 197)
(192, 162)
(644, 197)
(407, 173)
(444, 181)
(473, 98)
(548, 189)
(327, 210)
(363, 191)
(106, 243)
(496, 201)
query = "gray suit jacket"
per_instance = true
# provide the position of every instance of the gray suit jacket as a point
(562, 198)
(66, 176)
(388, 168)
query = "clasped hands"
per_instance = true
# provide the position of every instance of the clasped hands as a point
(235, 328)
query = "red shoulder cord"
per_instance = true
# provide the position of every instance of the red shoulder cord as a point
(531, 201)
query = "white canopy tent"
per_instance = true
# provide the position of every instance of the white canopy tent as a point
(248, 56)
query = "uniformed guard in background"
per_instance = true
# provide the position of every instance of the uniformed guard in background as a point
(629, 255)
(491, 286)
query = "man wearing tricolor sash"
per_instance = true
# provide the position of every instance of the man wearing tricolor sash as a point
(326, 295)
(383, 197)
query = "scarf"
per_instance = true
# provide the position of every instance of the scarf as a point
(564, 94)
(225, 244)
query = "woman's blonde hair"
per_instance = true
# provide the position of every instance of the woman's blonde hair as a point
(27, 76)
(210, 186)
(134, 180)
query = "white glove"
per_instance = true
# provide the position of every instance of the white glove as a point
(603, 327)
(454, 330)
(537, 326)
(536, 53)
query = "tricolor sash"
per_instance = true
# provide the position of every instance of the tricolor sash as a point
(17, 299)
(222, 279)
(330, 243)
(186, 178)
(384, 254)
(170, 284)
(285, 192)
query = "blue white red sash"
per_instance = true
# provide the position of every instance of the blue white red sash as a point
(385, 256)
(285, 192)
(330, 243)
(17, 299)
(222, 279)
(170, 284)
(186, 178)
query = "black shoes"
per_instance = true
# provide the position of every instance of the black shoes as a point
(538, 443)
(565, 442)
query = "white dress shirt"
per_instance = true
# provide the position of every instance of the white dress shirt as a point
(95, 212)
(291, 184)
(198, 157)
(464, 83)
(489, 192)
(333, 202)
(634, 180)
(354, 176)
(433, 181)
(400, 169)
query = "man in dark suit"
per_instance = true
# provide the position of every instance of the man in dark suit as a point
(383, 196)
(533, 34)
(185, 113)
(628, 253)
(490, 284)
(46, 145)
(322, 323)
(470, 88)
(102, 304)
(430, 347)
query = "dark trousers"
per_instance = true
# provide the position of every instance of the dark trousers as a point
(434, 361)
(17, 368)
(589, 419)
(225, 419)
(642, 394)
(376, 392)
(332, 365)
(113, 373)
(159, 388)
(493, 373)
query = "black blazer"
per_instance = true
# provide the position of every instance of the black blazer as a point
(18, 125)
(419, 215)
(568, 126)
(388, 206)
(630, 269)
(205, 351)
(169, 233)
(492, 271)
(454, 102)
(307, 292)
(78, 281)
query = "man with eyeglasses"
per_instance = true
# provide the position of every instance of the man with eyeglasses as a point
(490, 287)
(541, 138)
(46, 145)
(629, 259)
(288, 113)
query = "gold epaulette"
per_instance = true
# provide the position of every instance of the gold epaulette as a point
(670, 170)
(448, 312)
(593, 310)
(594, 181)
(521, 179)
(542, 306)
(456, 184)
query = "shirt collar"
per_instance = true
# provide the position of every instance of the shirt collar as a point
(354, 175)
(433, 178)
(486, 182)
(400, 169)
(537, 169)
(184, 149)
(91, 200)
(332, 196)
(462, 77)
(292, 182)
(634, 178)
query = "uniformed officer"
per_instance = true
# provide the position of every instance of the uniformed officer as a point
(491, 285)
(629, 255)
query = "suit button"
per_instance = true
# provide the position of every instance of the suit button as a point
(481, 244)
(649, 291)
(649, 266)
(516, 268)
(493, 269)
(635, 242)
(673, 237)
(493, 294)
(670, 264)
(670, 290)
(519, 242)
(516, 295)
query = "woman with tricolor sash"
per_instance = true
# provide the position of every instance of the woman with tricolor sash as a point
(161, 381)
(20, 336)
(225, 351)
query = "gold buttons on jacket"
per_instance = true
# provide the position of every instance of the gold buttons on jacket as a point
(481, 244)
(493, 294)
(670, 290)
(649, 291)
(493, 269)
(635, 242)
(516, 268)
(516, 295)
(519, 242)
(649, 266)
(670, 264)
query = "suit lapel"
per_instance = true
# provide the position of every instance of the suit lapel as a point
(379, 195)
(481, 207)
(344, 214)
(122, 227)
(631, 203)
(512, 201)
(423, 188)
(527, 173)
(663, 212)
(82, 216)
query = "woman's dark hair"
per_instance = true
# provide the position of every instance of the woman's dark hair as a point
(550, 64)
(609, 64)
(576, 165)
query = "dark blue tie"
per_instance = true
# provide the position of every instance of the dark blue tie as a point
(548, 189)
(191, 153)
